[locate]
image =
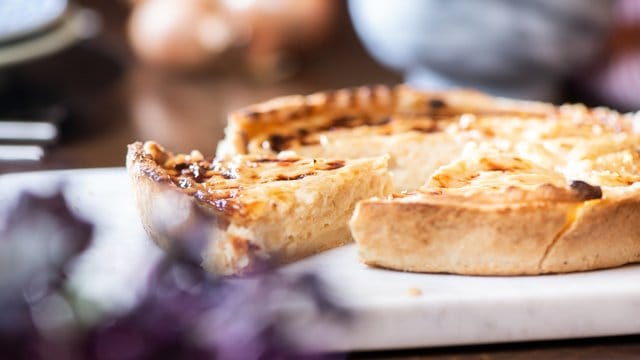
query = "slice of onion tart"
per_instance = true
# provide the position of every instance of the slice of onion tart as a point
(266, 207)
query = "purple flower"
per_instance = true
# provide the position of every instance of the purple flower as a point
(185, 312)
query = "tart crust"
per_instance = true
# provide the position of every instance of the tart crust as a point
(423, 233)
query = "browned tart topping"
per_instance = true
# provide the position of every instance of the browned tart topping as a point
(220, 182)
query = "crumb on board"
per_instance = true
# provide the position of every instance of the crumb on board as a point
(414, 291)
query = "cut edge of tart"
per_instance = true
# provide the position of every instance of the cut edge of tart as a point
(266, 207)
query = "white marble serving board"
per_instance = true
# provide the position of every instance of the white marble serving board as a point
(392, 310)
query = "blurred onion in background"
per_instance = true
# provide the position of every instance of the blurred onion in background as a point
(192, 34)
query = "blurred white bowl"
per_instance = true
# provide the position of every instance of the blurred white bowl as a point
(513, 48)
(24, 18)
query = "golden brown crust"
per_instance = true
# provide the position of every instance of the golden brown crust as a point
(435, 235)
(472, 239)
(604, 234)
(148, 180)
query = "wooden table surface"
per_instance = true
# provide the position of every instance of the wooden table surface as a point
(112, 100)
